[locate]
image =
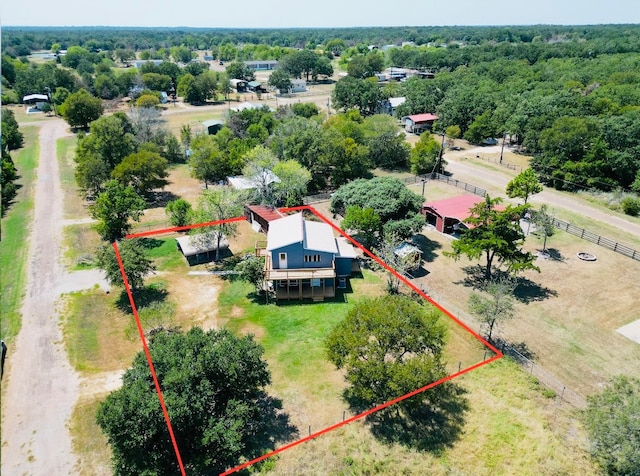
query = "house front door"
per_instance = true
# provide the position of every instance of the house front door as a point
(283, 260)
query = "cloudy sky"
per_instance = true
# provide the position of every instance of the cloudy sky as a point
(318, 13)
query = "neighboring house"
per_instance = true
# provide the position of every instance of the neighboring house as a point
(304, 260)
(448, 215)
(240, 85)
(390, 105)
(262, 65)
(138, 63)
(213, 126)
(201, 248)
(418, 123)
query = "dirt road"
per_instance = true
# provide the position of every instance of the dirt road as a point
(41, 387)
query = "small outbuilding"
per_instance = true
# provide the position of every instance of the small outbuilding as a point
(260, 216)
(35, 102)
(448, 215)
(256, 87)
(409, 254)
(240, 85)
(201, 248)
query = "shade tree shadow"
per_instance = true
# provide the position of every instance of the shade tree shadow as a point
(160, 198)
(553, 254)
(427, 246)
(151, 243)
(274, 427)
(430, 421)
(515, 349)
(145, 297)
(528, 291)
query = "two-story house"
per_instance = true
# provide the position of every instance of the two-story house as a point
(304, 259)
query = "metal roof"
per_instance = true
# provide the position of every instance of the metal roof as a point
(29, 97)
(455, 207)
(417, 118)
(314, 236)
(192, 245)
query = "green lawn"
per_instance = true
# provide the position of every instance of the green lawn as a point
(15, 229)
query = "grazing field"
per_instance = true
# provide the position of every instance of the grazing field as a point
(15, 229)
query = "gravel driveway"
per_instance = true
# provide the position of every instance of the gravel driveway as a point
(41, 388)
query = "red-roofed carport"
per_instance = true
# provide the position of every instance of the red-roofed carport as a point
(259, 216)
(446, 214)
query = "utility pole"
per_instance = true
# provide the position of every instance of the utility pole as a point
(504, 137)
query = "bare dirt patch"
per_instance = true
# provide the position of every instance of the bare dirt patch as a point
(195, 298)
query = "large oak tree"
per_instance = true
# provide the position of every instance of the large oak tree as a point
(212, 383)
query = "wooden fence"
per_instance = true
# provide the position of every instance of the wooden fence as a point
(597, 239)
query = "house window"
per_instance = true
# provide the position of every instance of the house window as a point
(342, 283)
(315, 283)
(312, 258)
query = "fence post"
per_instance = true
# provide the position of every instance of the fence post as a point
(344, 414)
(562, 394)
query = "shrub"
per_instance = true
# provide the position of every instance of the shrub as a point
(631, 206)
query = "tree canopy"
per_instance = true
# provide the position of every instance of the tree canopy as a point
(213, 385)
(136, 264)
(612, 419)
(524, 185)
(12, 138)
(496, 234)
(397, 206)
(388, 346)
(81, 108)
(114, 208)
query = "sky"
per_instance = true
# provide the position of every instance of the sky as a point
(318, 13)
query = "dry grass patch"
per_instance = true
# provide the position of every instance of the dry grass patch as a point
(568, 313)
(87, 440)
(510, 428)
(81, 243)
(74, 204)
(95, 332)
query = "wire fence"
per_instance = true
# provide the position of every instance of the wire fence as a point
(562, 393)
(501, 163)
(468, 187)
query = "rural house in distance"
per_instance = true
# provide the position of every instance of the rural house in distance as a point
(304, 260)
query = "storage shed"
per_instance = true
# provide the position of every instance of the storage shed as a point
(201, 248)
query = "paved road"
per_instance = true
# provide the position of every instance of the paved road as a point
(467, 171)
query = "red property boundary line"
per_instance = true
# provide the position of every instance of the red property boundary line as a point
(498, 354)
